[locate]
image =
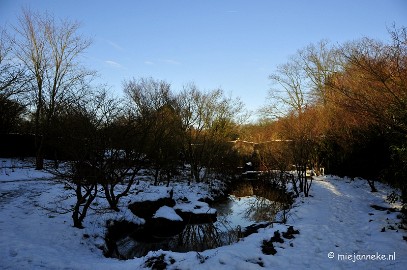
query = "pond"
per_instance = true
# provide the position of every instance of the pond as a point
(246, 205)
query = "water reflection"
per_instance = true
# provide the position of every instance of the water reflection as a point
(244, 211)
(199, 237)
(195, 237)
(261, 209)
(250, 203)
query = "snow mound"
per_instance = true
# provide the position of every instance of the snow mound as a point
(167, 213)
(196, 207)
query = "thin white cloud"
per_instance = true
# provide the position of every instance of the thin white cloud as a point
(150, 63)
(113, 64)
(170, 61)
(115, 45)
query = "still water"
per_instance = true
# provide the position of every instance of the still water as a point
(240, 209)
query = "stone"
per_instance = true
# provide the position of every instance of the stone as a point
(146, 209)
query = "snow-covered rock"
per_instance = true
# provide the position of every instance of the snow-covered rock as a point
(146, 209)
(165, 223)
(196, 212)
(167, 213)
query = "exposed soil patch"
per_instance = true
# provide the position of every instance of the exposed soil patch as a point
(159, 262)
(268, 247)
(382, 208)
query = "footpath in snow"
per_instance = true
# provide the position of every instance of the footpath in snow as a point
(338, 230)
(338, 226)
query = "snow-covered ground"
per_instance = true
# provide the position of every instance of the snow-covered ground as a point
(337, 227)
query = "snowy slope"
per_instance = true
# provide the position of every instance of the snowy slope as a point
(337, 218)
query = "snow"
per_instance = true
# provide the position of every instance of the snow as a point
(148, 192)
(336, 220)
(14, 170)
(167, 213)
(195, 207)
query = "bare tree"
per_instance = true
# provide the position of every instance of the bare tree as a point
(11, 73)
(373, 81)
(300, 101)
(319, 61)
(291, 93)
(80, 129)
(115, 147)
(50, 51)
(81, 174)
(372, 87)
(11, 87)
(125, 142)
(209, 120)
(291, 101)
(156, 111)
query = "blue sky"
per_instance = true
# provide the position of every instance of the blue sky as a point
(233, 45)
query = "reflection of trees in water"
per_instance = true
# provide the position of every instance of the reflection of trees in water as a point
(262, 209)
(195, 237)
(129, 248)
(242, 189)
(224, 208)
(199, 237)
(262, 188)
(268, 198)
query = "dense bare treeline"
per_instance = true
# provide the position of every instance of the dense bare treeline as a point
(342, 107)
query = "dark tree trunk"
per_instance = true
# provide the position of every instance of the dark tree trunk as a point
(83, 202)
(111, 199)
(297, 193)
(372, 186)
(39, 155)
